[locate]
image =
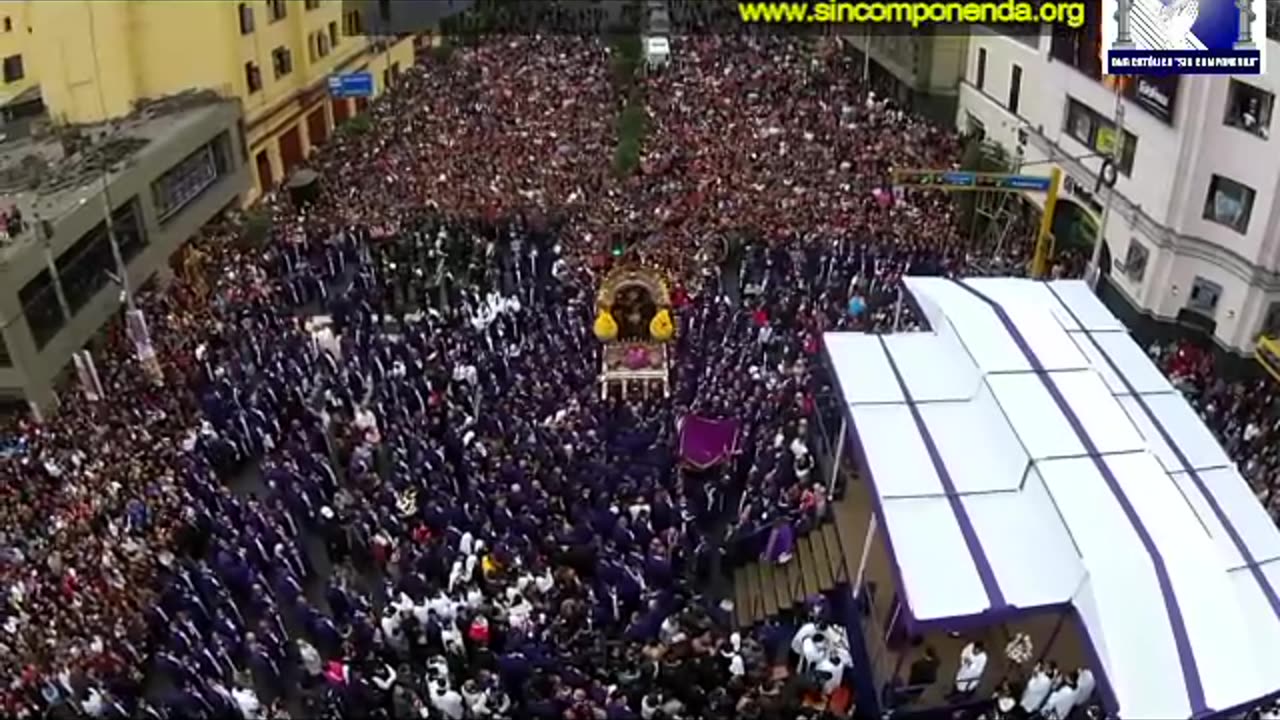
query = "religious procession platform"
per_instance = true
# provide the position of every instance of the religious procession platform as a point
(627, 365)
(634, 325)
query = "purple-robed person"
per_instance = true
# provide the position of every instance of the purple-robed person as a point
(782, 543)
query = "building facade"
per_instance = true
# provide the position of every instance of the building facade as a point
(15, 44)
(920, 69)
(96, 59)
(18, 86)
(175, 165)
(1192, 229)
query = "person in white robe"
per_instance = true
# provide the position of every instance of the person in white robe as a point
(831, 669)
(813, 651)
(805, 632)
(973, 663)
(310, 659)
(1037, 690)
(1085, 686)
(1061, 702)
(447, 700)
(247, 700)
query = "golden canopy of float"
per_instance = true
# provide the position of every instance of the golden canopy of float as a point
(635, 323)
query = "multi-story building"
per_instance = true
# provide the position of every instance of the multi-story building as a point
(96, 59)
(1192, 224)
(251, 81)
(920, 69)
(18, 78)
(162, 172)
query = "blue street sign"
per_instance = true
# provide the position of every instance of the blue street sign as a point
(1026, 182)
(959, 179)
(963, 180)
(351, 85)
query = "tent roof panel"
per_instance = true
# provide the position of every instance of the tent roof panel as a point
(874, 382)
(1106, 516)
(895, 451)
(939, 573)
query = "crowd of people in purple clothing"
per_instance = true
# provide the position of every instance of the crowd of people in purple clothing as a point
(378, 480)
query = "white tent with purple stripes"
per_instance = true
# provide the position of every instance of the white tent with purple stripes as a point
(1026, 453)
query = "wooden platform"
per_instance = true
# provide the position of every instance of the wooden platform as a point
(825, 557)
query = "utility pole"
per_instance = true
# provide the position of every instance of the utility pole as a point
(135, 321)
(866, 56)
(46, 243)
(1117, 151)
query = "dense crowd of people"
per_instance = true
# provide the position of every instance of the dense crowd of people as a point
(377, 478)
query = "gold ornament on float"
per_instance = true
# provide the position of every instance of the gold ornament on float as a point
(633, 297)
(661, 327)
(605, 328)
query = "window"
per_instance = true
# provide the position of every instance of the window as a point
(384, 12)
(13, 71)
(186, 181)
(5, 359)
(352, 24)
(334, 35)
(1229, 203)
(281, 61)
(1204, 296)
(1271, 321)
(8, 24)
(1273, 19)
(1135, 260)
(87, 266)
(980, 73)
(83, 268)
(973, 126)
(277, 10)
(1015, 89)
(246, 19)
(1099, 134)
(252, 77)
(40, 305)
(1080, 48)
(1249, 108)
(318, 43)
(311, 4)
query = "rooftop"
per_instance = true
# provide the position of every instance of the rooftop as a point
(52, 170)
(1026, 454)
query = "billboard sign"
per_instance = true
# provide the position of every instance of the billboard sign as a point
(1184, 37)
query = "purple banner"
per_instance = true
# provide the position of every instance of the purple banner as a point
(705, 442)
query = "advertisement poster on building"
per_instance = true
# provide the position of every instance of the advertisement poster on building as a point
(1156, 94)
(1184, 37)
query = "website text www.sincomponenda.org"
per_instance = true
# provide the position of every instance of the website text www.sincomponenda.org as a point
(915, 14)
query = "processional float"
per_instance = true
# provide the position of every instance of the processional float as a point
(634, 322)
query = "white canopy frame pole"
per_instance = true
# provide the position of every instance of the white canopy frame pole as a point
(872, 526)
(837, 458)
